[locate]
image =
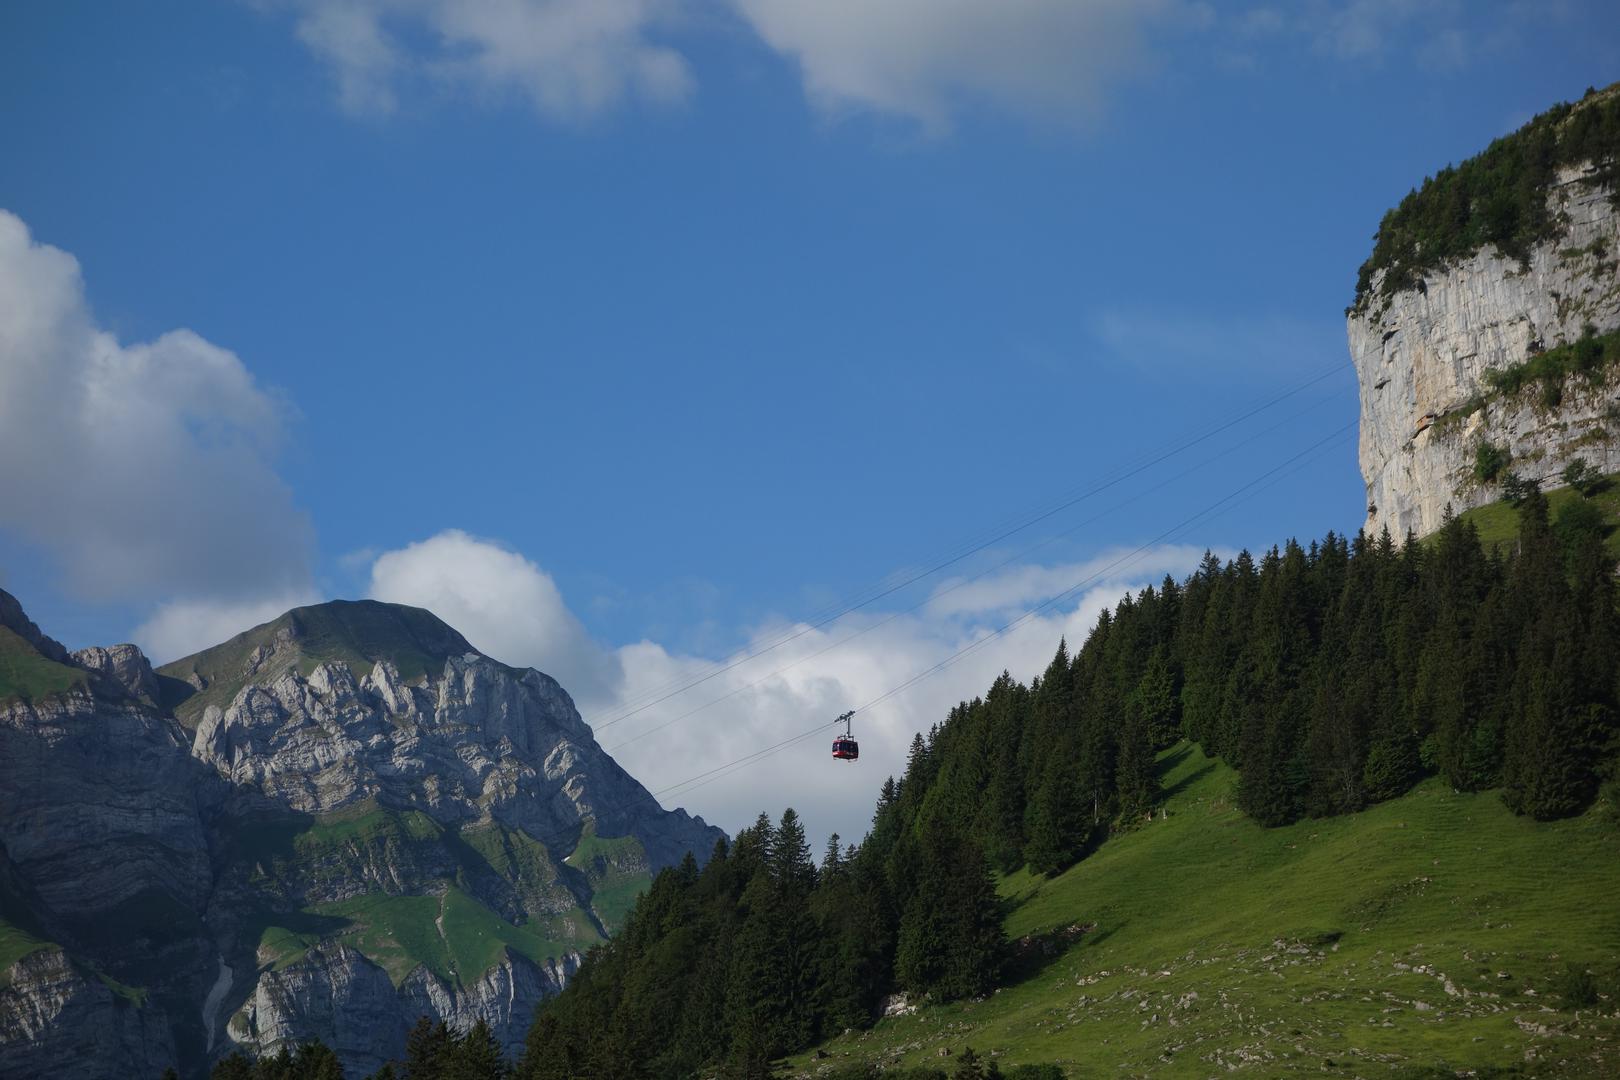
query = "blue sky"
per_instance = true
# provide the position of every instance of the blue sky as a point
(626, 333)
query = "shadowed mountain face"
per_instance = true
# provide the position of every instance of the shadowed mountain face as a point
(327, 826)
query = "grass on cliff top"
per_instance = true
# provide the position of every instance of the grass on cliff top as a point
(358, 632)
(16, 943)
(25, 674)
(1432, 931)
(1498, 522)
(454, 935)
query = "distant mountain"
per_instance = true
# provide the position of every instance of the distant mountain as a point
(327, 826)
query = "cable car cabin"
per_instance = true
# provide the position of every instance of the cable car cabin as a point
(846, 748)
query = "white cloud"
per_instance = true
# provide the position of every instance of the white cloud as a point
(181, 627)
(924, 59)
(570, 59)
(1020, 587)
(509, 607)
(145, 470)
(1365, 29)
(1176, 343)
(504, 604)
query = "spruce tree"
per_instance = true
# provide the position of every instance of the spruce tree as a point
(476, 1055)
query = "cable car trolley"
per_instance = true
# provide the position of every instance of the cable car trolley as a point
(845, 748)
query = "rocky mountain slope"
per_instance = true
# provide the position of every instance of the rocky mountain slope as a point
(1483, 330)
(328, 826)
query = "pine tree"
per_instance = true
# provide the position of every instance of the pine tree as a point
(316, 1061)
(234, 1067)
(791, 865)
(476, 1055)
(1136, 776)
(427, 1050)
(1153, 703)
(1059, 822)
(951, 943)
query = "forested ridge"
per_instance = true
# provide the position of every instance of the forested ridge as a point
(1330, 676)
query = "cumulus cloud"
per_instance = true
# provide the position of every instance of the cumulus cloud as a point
(145, 470)
(924, 59)
(1366, 31)
(570, 59)
(510, 608)
(181, 627)
(505, 605)
(1020, 587)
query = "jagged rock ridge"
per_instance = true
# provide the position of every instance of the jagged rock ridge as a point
(240, 849)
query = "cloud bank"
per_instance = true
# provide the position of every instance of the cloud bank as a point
(925, 59)
(146, 471)
(919, 60)
(922, 61)
(569, 59)
(510, 608)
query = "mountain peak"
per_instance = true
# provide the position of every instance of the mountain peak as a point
(359, 632)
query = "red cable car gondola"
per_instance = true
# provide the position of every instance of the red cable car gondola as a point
(845, 748)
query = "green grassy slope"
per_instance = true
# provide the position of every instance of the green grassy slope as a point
(445, 926)
(1433, 929)
(615, 868)
(24, 673)
(454, 935)
(16, 943)
(1498, 522)
(360, 632)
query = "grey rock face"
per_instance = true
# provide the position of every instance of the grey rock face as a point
(336, 992)
(504, 997)
(99, 805)
(475, 741)
(14, 619)
(1423, 354)
(56, 1020)
(149, 859)
(339, 994)
(123, 665)
(102, 827)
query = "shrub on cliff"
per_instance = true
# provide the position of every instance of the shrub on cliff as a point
(1498, 197)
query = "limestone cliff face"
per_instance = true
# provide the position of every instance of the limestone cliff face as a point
(474, 740)
(339, 993)
(1421, 357)
(57, 1019)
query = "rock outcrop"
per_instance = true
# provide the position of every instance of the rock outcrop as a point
(475, 740)
(191, 860)
(104, 855)
(124, 666)
(59, 1020)
(1423, 355)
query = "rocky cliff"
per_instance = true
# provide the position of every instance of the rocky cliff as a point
(1483, 322)
(328, 826)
